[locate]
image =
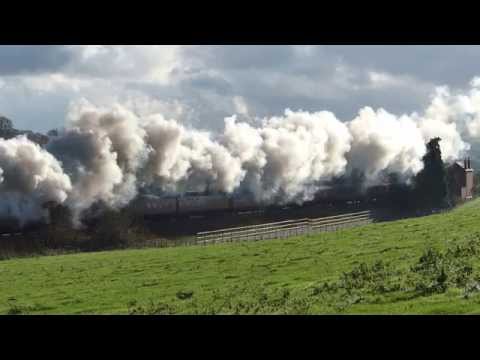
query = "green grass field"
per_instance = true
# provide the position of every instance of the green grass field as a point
(304, 275)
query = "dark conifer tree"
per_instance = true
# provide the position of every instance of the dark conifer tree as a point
(431, 182)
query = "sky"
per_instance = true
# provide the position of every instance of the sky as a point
(201, 85)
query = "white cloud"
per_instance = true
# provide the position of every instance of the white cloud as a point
(382, 80)
(475, 82)
(152, 63)
(207, 83)
(240, 105)
(53, 82)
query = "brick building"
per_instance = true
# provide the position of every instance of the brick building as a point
(461, 180)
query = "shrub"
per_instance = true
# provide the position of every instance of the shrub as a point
(110, 230)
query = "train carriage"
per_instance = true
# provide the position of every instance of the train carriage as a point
(203, 203)
(154, 205)
(244, 203)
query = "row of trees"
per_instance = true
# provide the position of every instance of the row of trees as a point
(107, 230)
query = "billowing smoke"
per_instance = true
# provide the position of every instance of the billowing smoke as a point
(102, 151)
(287, 156)
(105, 155)
(29, 177)
(189, 157)
(384, 142)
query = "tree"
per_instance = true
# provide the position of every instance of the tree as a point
(59, 231)
(112, 229)
(431, 186)
(401, 194)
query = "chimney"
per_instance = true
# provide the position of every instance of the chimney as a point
(469, 166)
(465, 163)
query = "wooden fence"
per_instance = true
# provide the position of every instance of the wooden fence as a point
(284, 229)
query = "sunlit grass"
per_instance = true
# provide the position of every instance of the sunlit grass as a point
(204, 279)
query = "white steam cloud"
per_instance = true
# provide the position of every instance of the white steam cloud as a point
(190, 157)
(102, 151)
(287, 156)
(29, 177)
(104, 155)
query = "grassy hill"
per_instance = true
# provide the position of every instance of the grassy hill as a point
(379, 268)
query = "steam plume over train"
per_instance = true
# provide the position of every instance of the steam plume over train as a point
(105, 155)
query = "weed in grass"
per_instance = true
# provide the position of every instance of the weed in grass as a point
(18, 309)
(151, 308)
(184, 295)
(15, 310)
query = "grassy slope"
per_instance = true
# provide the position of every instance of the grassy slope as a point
(108, 282)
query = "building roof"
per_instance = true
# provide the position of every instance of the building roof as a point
(462, 165)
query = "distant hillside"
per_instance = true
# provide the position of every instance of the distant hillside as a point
(8, 131)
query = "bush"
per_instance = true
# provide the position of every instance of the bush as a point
(437, 271)
(433, 273)
(111, 229)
